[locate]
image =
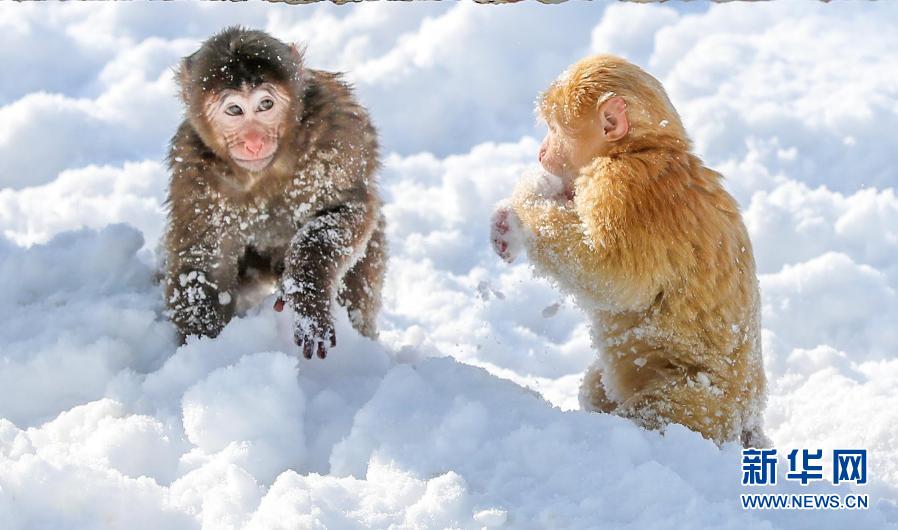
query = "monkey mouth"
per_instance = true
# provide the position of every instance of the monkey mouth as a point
(255, 164)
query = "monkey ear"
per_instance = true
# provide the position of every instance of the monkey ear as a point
(298, 53)
(613, 118)
(184, 77)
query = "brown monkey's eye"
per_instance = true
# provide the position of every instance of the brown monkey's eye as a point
(234, 110)
(265, 104)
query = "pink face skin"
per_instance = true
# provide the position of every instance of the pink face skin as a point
(555, 155)
(248, 123)
(564, 156)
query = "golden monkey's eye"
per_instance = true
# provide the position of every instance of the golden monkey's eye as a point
(234, 110)
(265, 104)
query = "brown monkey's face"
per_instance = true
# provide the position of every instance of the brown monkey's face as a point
(249, 123)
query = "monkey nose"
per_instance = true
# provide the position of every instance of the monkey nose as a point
(253, 146)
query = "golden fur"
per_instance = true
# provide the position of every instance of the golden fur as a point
(655, 251)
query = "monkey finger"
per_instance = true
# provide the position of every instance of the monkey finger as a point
(507, 256)
(322, 351)
(307, 349)
(500, 219)
(500, 246)
(279, 305)
(333, 340)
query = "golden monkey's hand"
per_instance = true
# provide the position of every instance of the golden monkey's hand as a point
(538, 183)
(506, 233)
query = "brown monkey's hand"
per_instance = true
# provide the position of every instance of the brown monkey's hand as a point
(313, 328)
(314, 335)
(505, 232)
(197, 307)
(279, 304)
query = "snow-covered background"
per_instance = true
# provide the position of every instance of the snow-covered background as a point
(464, 415)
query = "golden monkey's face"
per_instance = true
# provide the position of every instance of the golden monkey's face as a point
(563, 155)
(555, 154)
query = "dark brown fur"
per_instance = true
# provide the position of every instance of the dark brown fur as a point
(312, 218)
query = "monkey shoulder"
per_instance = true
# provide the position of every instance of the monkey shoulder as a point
(186, 145)
(338, 146)
(335, 116)
(324, 89)
(190, 160)
(640, 204)
(194, 202)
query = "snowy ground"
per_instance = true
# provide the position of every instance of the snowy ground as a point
(465, 414)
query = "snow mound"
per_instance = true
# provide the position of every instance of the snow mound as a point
(238, 432)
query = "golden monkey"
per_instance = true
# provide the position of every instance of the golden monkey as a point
(272, 179)
(652, 248)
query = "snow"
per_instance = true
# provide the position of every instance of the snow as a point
(464, 414)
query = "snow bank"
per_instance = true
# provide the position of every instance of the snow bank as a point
(462, 415)
(224, 434)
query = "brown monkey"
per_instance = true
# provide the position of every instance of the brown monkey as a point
(272, 177)
(652, 248)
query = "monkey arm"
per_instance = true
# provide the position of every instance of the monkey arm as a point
(570, 248)
(319, 254)
(201, 270)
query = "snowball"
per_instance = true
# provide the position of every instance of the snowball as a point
(491, 518)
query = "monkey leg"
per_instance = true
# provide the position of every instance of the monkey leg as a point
(700, 407)
(592, 391)
(362, 284)
(755, 437)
